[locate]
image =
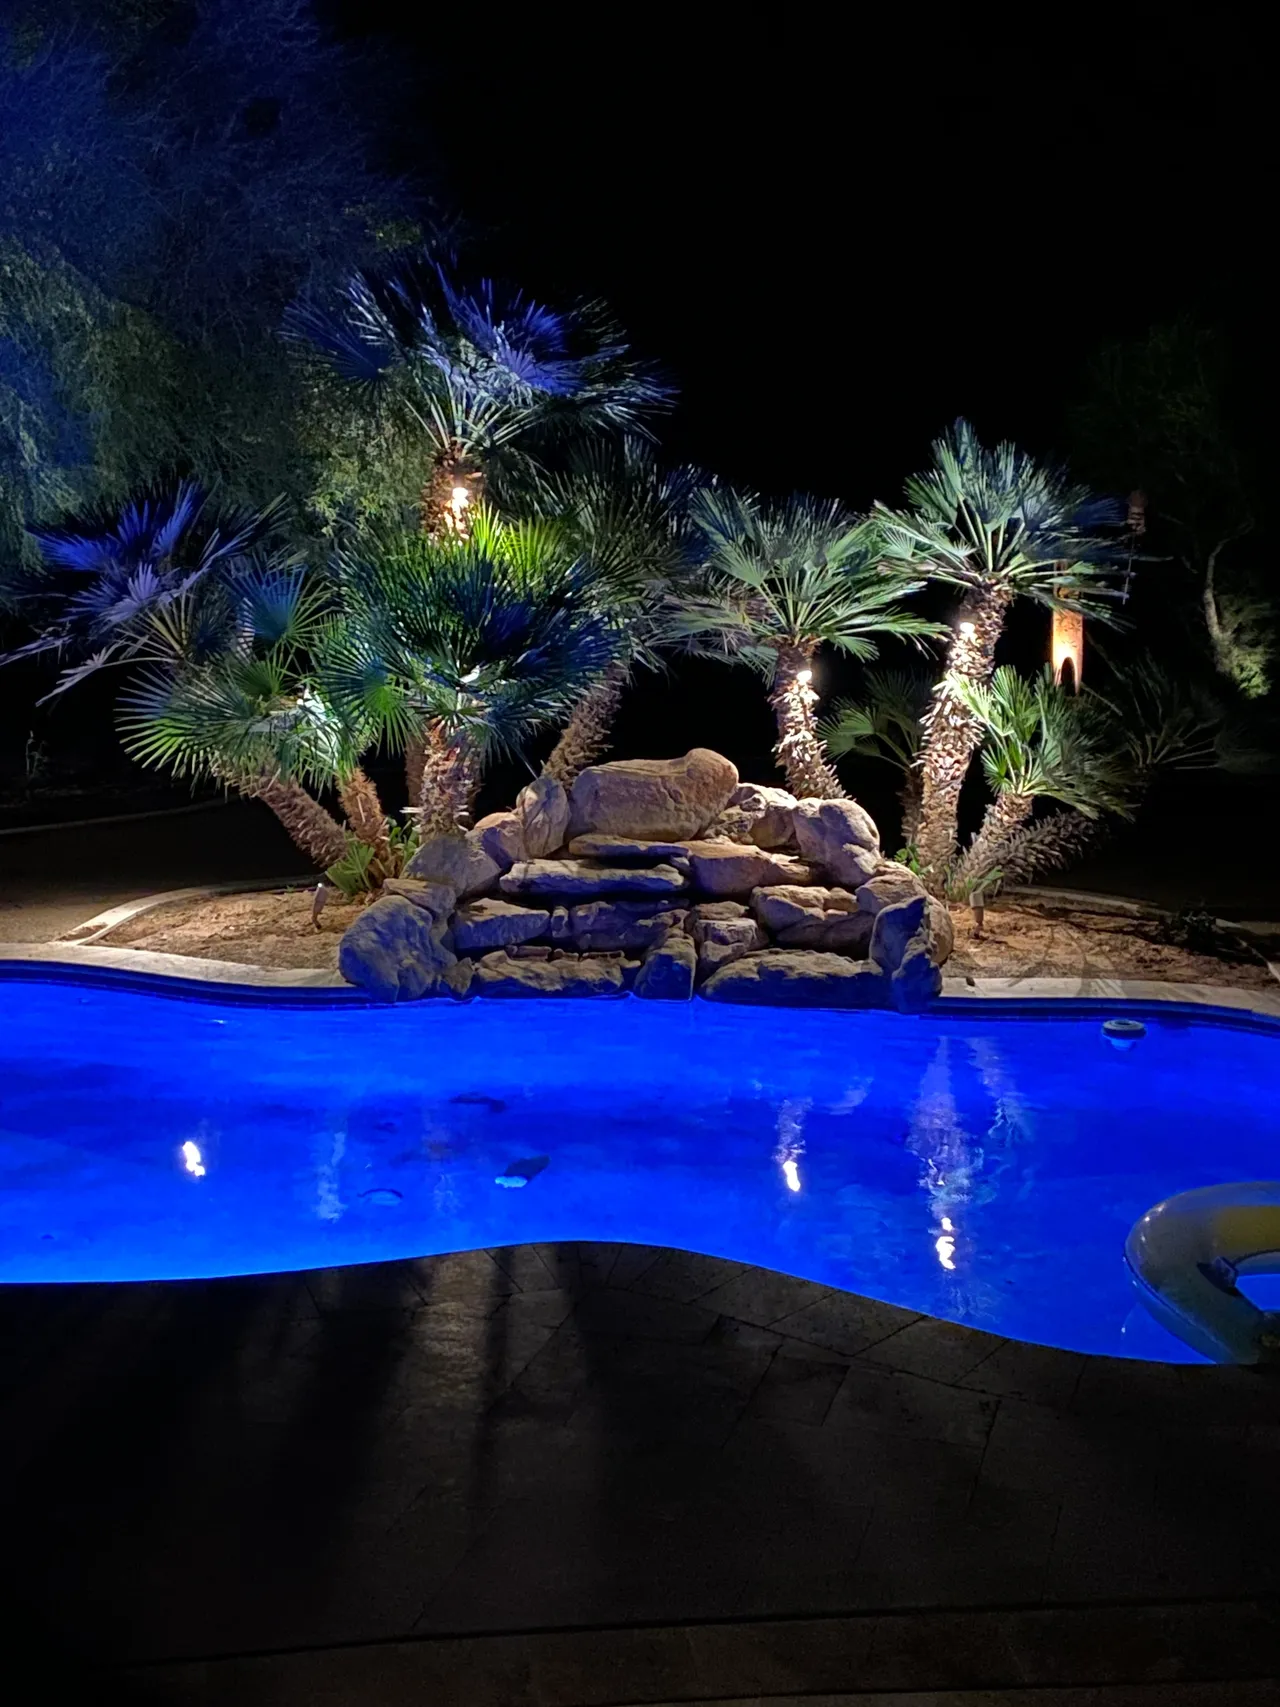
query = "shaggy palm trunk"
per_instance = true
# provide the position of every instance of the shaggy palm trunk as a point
(1007, 812)
(951, 732)
(453, 489)
(415, 761)
(366, 818)
(799, 748)
(1056, 841)
(586, 735)
(450, 780)
(311, 828)
(909, 800)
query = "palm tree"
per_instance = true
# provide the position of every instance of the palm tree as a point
(1148, 721)
(485, 374)
(629, 519)
(998, 525)
(885, 726)
(780, 582)
(217, 623)
(1041, 743)
(463, 646)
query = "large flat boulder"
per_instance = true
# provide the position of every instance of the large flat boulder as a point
(625, 850)
(396, 950)
(668, 971)
(730, 868)
(501, 975)
(543, 811)
(800, 978)
(453, 859)
(483, 925)
(652, 799)
(840, 837)
(571, 877)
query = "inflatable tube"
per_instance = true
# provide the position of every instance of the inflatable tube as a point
(1185, 1254)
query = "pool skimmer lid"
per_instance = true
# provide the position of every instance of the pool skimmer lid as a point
(1123, 1033)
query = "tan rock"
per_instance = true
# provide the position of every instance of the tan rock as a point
(781, 906)
(395, 950)
(652, 799)
(570, 877)
(768, 813)
(483, 925)
(730, 868)
(500, 975)
(452, 859)
(501, 835)
(887, 888)
(543, 810)
(624, 850)
(840, 837)
(800, 978)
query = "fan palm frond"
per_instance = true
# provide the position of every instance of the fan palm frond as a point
(797, 575)
(478, 366)
(981, 517)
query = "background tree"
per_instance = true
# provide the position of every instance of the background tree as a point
(629, 518)
(1158, 415)
(214, 627)
(781, 582)
(482, 376)
(999, 526)
(174, 175)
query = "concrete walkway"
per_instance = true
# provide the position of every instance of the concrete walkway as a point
(612, 1474)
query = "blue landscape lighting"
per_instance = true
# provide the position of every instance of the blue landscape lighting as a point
(981, 1168)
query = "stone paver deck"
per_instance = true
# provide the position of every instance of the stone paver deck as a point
(611, 1474)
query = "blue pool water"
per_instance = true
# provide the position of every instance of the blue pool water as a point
(983, 1169)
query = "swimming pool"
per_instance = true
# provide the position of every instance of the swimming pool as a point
(978, 1167)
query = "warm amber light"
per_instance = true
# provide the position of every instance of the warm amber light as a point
(1066, 648)
(461, 497)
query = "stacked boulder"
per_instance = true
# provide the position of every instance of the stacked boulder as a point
(661, 877)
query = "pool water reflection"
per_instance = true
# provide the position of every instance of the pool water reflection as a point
(978, 1168)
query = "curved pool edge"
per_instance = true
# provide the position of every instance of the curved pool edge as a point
(192, 978)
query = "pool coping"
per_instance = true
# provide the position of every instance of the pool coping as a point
(188, 975)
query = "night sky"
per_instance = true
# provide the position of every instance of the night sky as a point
(838, 239)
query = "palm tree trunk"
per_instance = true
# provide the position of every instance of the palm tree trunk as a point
(443, 513)
(415, 760)
(799, 748)
(365, 816)
(952, 734)
(311, 828)
(909, 800)
(1006, 813)
(450, 780)
(586, 735)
